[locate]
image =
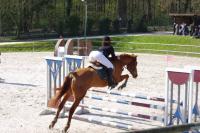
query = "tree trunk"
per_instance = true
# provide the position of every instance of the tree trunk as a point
(187, 6)
(122, 11)
(179, 6)
(0, 25)
(69, 6)
(149, 11)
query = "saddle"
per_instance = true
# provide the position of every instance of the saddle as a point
(100, 69)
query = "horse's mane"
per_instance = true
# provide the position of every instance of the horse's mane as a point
(126, 55)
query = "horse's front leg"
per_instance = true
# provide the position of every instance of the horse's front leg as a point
(61, 105)
(122, 77)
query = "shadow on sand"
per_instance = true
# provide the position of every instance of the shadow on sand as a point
(2, 81)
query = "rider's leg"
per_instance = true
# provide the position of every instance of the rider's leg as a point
(104, 61)
(98, 56)
(111, 82)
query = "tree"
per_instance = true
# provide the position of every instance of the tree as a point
(187, 7)
(122, 10)
(1, 10)
(69, 7)
(149, 11)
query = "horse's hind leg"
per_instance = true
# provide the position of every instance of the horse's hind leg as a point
(71, 111)
(61, 105)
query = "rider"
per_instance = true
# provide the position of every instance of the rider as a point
(102, 56)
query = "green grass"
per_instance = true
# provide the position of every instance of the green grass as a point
(165, 44)
(26, 47)
(156, 44)
(166, 39)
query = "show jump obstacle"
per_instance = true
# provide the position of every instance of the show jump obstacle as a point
(58, 67)
(72, 47)
(56, 71)
(179, 77)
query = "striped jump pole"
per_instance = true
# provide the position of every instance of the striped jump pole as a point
(104, 122)
(97, 120)
(116, 111)
(179, 77)
(132, 95)
(127, 102)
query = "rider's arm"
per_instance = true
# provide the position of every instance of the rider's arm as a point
(112, 51)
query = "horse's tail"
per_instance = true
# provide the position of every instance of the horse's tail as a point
(54, 102)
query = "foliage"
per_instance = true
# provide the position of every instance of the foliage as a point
(73, 25)
(23, 16)
(139, 24)
(29, 47)
(135, 24)
(104, 26)
(116, 26)
(130, 26)
(142, 27)
(90, 25)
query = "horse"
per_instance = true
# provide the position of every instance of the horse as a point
(78, 82)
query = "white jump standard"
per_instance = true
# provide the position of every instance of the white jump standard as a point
(177, 77)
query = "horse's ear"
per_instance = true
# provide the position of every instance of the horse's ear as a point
(134, 55)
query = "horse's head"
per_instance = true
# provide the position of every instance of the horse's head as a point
(131, 62)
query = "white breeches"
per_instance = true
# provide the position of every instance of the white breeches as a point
(99, 57)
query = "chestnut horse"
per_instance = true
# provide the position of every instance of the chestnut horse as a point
(77, 83)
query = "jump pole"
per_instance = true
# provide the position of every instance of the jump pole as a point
(103, 122)
(117, 111)
(133, 95)
(127, 102)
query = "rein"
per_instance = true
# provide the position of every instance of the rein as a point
(125, 66)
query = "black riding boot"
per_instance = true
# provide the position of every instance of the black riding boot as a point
(111, 82)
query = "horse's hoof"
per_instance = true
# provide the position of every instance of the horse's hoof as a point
(51, 126)
(65, 130)
(119, 88)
